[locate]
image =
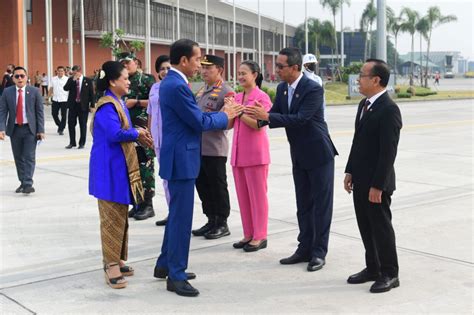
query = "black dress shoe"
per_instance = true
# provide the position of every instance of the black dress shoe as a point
(19, 189)
(384, 284)
(61, 133)
(241, 244)
(162, 222)
(145, 211)
(70, 146)
(162, 273)
(294, 259)
(217, 231)
(132, 212)
(183, 288)
(203, 229)
(363, 277)
(81, 146)
(28, 190)
(253, 248)
(315, 264)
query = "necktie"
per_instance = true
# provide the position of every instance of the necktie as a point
(365, 108)
(19, 108)
(78, 91)
(290, 96)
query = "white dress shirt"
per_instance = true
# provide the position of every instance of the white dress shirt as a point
(23, 89)
(372, 100)
(59, 95)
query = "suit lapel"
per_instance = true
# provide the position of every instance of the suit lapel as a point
(13, 100)
(285, 99)
(379, 102)
(28, 102)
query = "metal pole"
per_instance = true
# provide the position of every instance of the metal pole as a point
(228, 50)
(284, 26)
(273, 54)
(195, 26)
(49, 52)
(25, 37)
(306, 26)
(213, 34)
(234, 59)
(259, 38)
(342, 35)
(177, 19)
(147, 36)
(83, 41)
(172, 22)
(242, 42)
(381, 31)
(206, 28)
(69, 33)
(116, 14)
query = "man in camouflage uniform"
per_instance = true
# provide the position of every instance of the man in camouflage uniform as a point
(211, 183)
(137, 102)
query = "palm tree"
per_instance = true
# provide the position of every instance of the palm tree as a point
(422, 27)
(394, 26)
(334, 6)
(367, 20)
(434, 19)
(410, 18)
(319, 33)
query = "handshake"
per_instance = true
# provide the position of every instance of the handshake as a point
(231, 108)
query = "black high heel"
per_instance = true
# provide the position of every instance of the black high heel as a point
(114, 283)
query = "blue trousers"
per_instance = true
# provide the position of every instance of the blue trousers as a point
(175, 248)
(314, 200)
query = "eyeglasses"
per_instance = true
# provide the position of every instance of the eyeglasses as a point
(18, 76)
(165, 68)
(361, 75)
(280, 66)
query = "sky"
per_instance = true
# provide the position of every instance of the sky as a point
(454, 36)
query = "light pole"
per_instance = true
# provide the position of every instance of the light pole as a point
(381, 30)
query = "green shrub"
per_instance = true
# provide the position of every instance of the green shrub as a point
(238, 89)
(403, 95)
(272, 94)
(411, 90)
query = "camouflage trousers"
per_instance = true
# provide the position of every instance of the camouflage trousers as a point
(147, 170)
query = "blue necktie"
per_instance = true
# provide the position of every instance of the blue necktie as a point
(290, 96)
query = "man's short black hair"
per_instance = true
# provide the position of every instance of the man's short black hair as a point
(181, 47)
(19, 68)
(60, 67)
(381, 70)
(294, 56)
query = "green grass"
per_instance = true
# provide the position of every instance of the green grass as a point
(336, 94)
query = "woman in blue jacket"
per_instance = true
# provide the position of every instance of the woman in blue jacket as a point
(114, 176)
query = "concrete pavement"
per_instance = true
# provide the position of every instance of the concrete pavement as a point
(50, 242)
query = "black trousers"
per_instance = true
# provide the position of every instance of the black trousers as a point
(375, 226)
(314, 190)
(75, 113)
(23, 144)
(44, 90)
(55, 112)
(211, 186)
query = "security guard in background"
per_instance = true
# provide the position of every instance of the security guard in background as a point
(137, 102)
(211, 183)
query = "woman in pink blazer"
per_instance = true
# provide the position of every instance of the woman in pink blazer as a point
(250, 159)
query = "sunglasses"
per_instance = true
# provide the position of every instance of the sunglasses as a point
(18, 76)
(280, 66)
(165, 68)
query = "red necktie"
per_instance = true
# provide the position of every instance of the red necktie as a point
(365, 108)
(19, 108)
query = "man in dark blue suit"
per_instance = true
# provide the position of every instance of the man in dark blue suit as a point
(180, 158)
(299, 108)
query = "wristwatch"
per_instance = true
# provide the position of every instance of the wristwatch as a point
(262, 123)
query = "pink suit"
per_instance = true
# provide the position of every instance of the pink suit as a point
(250, 158)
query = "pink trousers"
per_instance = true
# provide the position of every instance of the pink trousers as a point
(251, 187)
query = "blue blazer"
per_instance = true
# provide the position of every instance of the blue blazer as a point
(108, 174)
(34, 110)
(306, 130)
(183, 123)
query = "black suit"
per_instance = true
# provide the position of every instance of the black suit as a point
(79, 109)
(370, 163)
(312, 154)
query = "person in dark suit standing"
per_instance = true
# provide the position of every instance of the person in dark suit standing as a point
(299, 108)
(180, 157)
(22, 117)
(7, 79)
(371, 176)
(80, 101)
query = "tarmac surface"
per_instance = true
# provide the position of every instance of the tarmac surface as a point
(51, 255)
